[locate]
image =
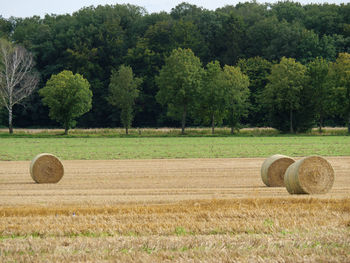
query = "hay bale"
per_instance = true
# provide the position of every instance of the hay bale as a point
(46, 168)
(273, 169)
(310, 175)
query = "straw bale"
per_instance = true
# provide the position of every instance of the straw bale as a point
(309, 175)
(46, 168)
(273, 169)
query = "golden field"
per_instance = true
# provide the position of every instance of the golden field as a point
(182, 210)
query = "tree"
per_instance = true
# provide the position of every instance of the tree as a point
(257, 69)
(259, 37)
(6, 27)
(230, 38)
(68, 97)
(184, 10)
(185, 34)
(288, 11)
(95, 40)
(283, 92)
(17, 76)
(317, 72)
(212, 98)
(179, 81)
(237, 95)
(123, 91)
(340, 81)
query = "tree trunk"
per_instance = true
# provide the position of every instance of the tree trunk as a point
(66, 130)
(10, 120)
(232, 130)
(320, 125)
(183, 120)
(126, 130)
(212, 123)
(291, 121)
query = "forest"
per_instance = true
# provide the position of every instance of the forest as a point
(296, 59)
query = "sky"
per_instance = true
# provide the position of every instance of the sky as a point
(27, 8)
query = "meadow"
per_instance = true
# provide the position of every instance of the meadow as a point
(169, 199)
(154, 144)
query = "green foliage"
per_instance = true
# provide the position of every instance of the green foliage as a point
(257, 69)
(123, 91)
(229, 38)
(237, 95)
(317, 72)
(288, 11)
(187, 35)
(340, 81)
(95, 40)
(68, 97)
(283, 93)
(180, 231)
(185, 10)
(179, 81)
(6, 27)
(212, 100)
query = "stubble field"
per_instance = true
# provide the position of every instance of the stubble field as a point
(198, 210)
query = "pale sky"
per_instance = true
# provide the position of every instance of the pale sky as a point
(25, 8)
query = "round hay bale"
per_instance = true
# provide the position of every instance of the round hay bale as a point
(310, 175)
(46, 168)
(273, 169)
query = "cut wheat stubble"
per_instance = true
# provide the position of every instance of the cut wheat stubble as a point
(46, 168)
(309, 175)
(273, 169)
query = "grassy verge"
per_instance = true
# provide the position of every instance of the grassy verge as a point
(161, 132)
(172, 147)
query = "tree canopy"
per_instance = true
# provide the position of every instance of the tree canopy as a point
(94, 40)
(237, 96)
(68, 96)
(340, 82)
(282, 94)
(123, 91)
(318, 81)
(212, 95)
(179, 81)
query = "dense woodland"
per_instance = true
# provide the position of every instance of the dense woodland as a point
(96, 41)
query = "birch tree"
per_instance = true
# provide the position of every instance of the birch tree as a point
(17, 76)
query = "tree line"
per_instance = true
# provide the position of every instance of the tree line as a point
(307, 43)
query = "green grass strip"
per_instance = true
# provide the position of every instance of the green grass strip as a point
(172, 147)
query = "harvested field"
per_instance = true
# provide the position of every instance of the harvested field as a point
(151, 181)
(198, 210)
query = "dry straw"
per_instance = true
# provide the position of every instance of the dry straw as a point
(273, 169)
(310, 175)
(46, 168)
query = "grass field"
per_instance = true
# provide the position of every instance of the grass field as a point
(141, 199)
(173, 147)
